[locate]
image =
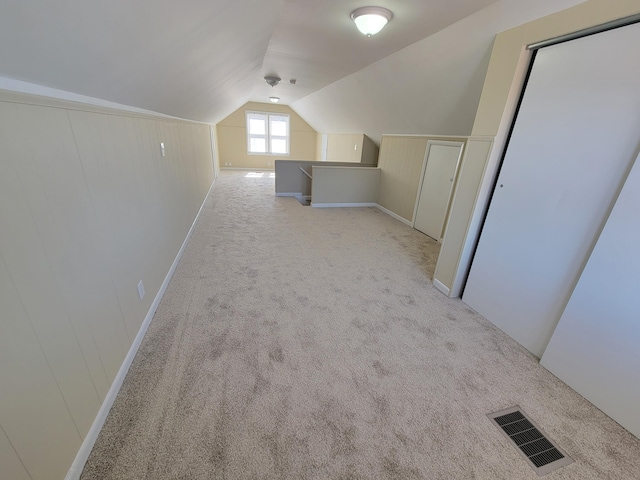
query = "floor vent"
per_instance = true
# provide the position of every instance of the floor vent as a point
(533, 444)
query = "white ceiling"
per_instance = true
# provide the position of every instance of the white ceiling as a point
(433, 86)
(203, 59)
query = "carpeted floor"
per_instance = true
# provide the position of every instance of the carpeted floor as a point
(302, 343)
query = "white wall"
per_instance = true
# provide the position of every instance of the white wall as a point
(88, 208)
(432, 86)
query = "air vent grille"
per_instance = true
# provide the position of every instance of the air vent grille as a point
(539, 451)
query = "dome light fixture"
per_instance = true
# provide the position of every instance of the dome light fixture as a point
(370, 20)
(274, 99)
(272, 80)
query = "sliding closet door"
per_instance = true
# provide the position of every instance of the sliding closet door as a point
(575, 137)
(594, 348)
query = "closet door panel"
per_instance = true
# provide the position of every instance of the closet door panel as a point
(594, 348)
(575, 137)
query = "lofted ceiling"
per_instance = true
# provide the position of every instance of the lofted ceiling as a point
(203, 59)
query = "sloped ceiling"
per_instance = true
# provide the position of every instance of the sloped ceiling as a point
(430, 87)
(202, 59)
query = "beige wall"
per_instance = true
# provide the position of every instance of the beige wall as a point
(319, 146)
(88, 208)
(348, 147)
(509, 47)
(400, 161)
(232, 138)
(344, 147)
(370, 151)
(470, 172)
(400, 165)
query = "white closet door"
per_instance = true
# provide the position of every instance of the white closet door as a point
(594, 349)
(575, 137)
(442, 161)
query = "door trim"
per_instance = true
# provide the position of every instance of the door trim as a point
(446, 143)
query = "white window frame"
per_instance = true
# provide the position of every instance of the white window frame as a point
(268, 137)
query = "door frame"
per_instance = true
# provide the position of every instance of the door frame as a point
(447, 143)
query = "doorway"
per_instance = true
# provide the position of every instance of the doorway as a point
(439, 173)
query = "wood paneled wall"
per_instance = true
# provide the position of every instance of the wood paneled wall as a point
(88, 208)
(400, 161)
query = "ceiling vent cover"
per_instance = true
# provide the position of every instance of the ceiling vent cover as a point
(533, 444)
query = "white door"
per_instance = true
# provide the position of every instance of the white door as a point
(439, 174)
(575, 137)
(594, 348)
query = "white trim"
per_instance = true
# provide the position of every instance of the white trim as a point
(343, 167)
(267, 154)
(87, 445)
(250, 169)
(331, 205)
(324, 147)
(394, 215)
(268, 137)
(20, 86)
(447, 143)
(419, 135)
(289, 194)
(441, 286)
(479, 208)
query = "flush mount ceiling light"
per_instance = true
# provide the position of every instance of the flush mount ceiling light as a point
(274, 99)
(370, 20)
(272, 80)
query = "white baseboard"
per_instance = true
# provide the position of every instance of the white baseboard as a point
(87, 445)
(247, 169)
(337, 205)
(394, 215)
(441, 286)
(289, 194)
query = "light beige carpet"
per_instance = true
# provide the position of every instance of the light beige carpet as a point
(301, 343)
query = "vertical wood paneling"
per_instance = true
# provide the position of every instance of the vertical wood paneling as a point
(10, 464)
(88, 207)
(33, 252)
(100, 173)
(400, 162)
(65, 206)
(455, 253)
(344, 147)
(33, 412)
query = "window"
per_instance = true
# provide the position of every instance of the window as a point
(267, 133)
